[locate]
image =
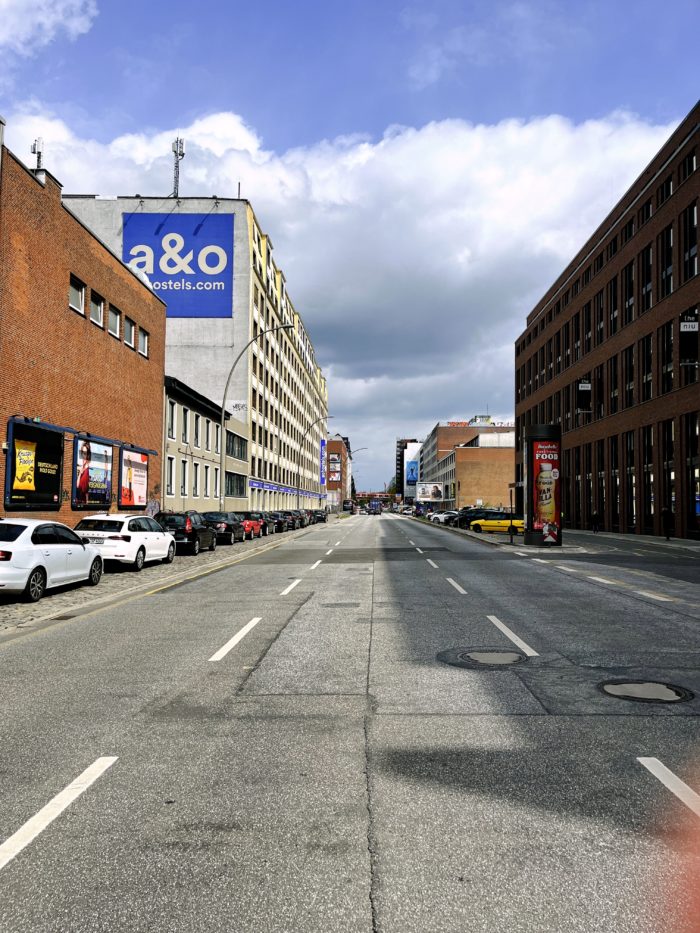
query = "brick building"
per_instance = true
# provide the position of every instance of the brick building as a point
(610, 354)
(445, 436)
(82, 342)
(479, 472)
(339, 472)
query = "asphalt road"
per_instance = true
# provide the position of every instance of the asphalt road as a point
(278, 746)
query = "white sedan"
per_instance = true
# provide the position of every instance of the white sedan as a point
(129, 539)
(441, 517)
(36, 554)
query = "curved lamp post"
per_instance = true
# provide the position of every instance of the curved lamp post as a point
(222, 461)
(301, 446)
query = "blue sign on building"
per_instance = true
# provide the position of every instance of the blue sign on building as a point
(188, 259)
(323, 461)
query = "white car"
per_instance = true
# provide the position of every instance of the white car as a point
(441, 517)
(129, 539)
(36, 554)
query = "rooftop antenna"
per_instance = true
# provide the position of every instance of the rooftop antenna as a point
(178, 148)
(37, 150)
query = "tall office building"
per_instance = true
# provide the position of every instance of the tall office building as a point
(212, 264)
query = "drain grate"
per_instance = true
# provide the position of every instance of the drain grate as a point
(646, 691)
(480, 658)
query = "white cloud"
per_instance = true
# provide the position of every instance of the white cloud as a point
(413, 259)
(26, 26)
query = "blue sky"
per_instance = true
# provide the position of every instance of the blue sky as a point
(416, 164)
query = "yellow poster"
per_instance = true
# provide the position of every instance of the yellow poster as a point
(25, 453)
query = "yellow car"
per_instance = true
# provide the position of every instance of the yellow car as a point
(501, 522)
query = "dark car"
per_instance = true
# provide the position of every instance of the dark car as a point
(293, 519)
(302, 517)
(465, 516)
(279, 521)
(189, 529)
(320, 516)
(228, 526)
(269, 523)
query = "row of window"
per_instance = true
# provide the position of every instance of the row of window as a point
(204, 481)
(118, 324)
(199, 429)
(624, 298)
(643, 370)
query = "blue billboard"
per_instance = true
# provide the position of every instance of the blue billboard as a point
(188, 259)
(323, 461)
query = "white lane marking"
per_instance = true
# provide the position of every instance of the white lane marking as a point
(456, 586)
(336, 544)
(329, 552)
(419, 550)
(432, 563)
(521, 554)
(412, 542)
(314, 566)
(568, 569)
(673, 783)
(530, 652)
(31, 829)
(540, 560)
(661, 599)
(232, 642)
(290, 587)
(603, 580)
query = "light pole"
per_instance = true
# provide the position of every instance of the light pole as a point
(301, 447)
(222, 439)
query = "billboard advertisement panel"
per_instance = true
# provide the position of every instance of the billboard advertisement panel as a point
(133, 479)
(544, 485)
(427, 492)
(34, 474)
(188, 259)
(92, 474)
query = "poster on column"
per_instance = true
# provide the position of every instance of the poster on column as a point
(546, 489)
(133, 479)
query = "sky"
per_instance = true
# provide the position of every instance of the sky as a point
(424, 170)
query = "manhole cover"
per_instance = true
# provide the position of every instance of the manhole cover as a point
(480, 658)
(646, 691)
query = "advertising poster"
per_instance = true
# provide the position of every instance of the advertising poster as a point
(334, 476)
(411, 472)
(323, 462)
(188, 259)
(133, 480)
(545, 490)
(427, 492)
(92, 474)
(34, 476)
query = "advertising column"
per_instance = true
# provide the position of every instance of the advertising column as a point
(543, 484)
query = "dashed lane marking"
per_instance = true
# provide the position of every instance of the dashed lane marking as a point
(290, 587)
(684, 793)
(314, 566)
(419, 550)
(456, 586)
(432, 563)
(509, 633)
(222, 652)
(657, 596)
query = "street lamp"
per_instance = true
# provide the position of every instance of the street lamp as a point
(222, 463)
(301, 447)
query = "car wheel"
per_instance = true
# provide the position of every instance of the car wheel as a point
(36, 585)
(95, 574)
(476, 528)
(140, 559)
(232, 538)
(212, 546)
(196, 546)
(170, 556)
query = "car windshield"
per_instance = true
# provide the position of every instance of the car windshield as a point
(216, 516)
(10, 532)
(98, 524)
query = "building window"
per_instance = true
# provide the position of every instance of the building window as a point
(97, 309)
(627, 231)
(613, 388)
(195, 480)
(170, 476)
(645, 212)
(76, 295)
(235, 485)
(206, 480)
(628, 376)
(197, 422)
(236, 446)
(114, 320)
(598, 392)
(143, 342)
(665, 254)
(645, 278)
(576, 337)
(216, 482)
(566, 337)
(664, 191)
(612, 307)
(688, 346)
(185, 425)
(599, 318)
(689, 233)
(687, 166)
(129, 332)
(666, 356)
(183, 479)
(628, 293)
(217, 440)
(207, 434)
(646, 362)
(171, 419)
(586, 328)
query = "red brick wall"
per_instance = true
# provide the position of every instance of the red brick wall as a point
(55, 364)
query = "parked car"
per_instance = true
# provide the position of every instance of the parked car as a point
(500, 521)
(302, 516)
(407, 510)
(441, 518)
(293, 519)
(268, 523)
(127, 539)
(280, 521)
(36, 555)
(189, 529)
(320, 515)
(228, 526)
(465, 516)
(253, 524)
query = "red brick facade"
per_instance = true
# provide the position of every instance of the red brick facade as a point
(56, 364)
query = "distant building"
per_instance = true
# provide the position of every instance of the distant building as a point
(610, 354)
(339, 472)
(401, 445)
(446, 435)
(478, 472)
